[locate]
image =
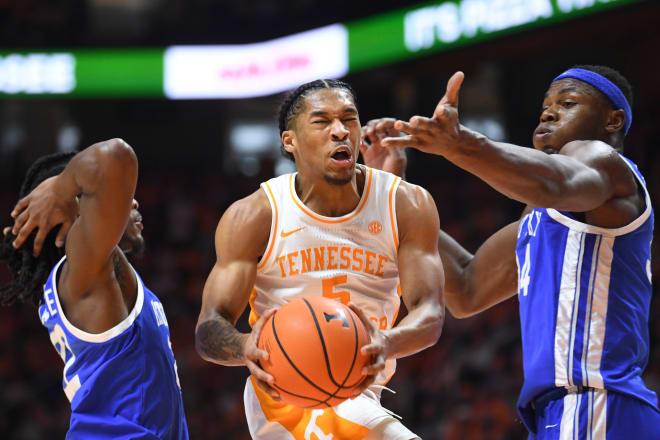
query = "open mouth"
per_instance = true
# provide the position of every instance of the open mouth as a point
(342, 154)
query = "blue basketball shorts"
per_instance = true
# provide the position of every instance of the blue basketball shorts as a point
(596, 415)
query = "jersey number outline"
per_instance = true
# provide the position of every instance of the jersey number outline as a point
(59, 341)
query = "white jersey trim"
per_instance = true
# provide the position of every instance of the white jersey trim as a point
(610, 232)
(325, 219)
(565, 313)
(273, 224)
(393, 217)
(110, 333)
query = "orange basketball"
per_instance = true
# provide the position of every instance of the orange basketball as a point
(314, 346)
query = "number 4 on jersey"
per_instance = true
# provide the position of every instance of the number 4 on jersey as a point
(523, 281)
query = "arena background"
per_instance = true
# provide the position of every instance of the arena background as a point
(192, 168)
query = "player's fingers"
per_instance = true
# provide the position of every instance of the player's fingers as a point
(384, 125)
(366, 321)
(20, 206)
(422, 123)
(373, 123)
(39, 240)
(254, 353)
(451, 95)
(258, 373)
(366, 383)
(405, 127)
(400, 142)
(6, 230)
(20, 221)
(24, 233)
(258, 326)
(272, 392)
(62, 233)
(376, 367)
(372, 349)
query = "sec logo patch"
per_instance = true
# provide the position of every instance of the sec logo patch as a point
(375, 227)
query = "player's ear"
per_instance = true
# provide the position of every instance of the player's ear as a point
(615, 121)
(289, 140)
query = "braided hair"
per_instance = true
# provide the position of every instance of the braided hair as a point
(294, 103)
(29, 272)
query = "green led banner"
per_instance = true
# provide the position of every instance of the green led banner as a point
(83, 73)
(442, 25)
(257, 69)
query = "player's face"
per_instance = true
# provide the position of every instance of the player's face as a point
(132, 241)
(327, 136)
(572, 110)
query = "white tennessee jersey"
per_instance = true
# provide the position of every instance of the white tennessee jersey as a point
(352, 258)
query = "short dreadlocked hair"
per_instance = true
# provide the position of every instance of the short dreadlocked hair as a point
(294, 103)
(30, 273)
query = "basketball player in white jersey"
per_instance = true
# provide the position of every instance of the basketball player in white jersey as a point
(337, 229)
(579, 258)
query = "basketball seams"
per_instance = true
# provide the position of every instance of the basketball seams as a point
(277, 339)
(325, 353)
(355, 352)
(332, 398)
(325, 350)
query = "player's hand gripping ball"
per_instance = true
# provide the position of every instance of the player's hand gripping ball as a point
(314, 351)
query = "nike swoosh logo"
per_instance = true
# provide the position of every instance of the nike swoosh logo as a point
(551, 426)
(286, 234)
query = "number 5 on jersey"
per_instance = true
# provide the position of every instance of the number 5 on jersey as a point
(345, 297)
(329, 289)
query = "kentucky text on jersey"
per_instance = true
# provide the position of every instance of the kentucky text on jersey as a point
(345, 258)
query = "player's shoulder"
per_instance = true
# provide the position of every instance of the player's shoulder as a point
(244, 227)
(249, 211)
(413, 196)
(605, 159)
(594, 153)
(415, 208)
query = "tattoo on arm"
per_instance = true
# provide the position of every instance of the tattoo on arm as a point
(219, 340)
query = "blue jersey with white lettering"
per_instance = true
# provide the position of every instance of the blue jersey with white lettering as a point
(122, 383)
(584, 296)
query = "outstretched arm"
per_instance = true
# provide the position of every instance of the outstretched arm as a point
(581, 178)
(477, 282)
(473, 283)
(240, 239)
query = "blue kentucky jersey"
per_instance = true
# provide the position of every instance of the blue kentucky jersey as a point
(584, 296)
(122, 383)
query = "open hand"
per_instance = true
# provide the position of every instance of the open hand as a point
(392, 160)
(43, 209)
(253, 354)
(377, 348)
(436, 134)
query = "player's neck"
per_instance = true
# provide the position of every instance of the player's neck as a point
(330, 199)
